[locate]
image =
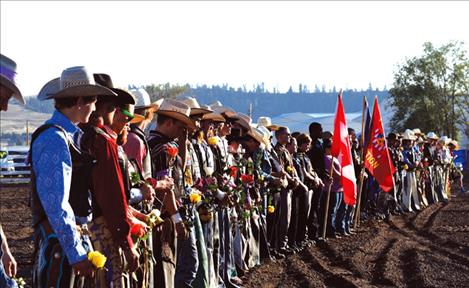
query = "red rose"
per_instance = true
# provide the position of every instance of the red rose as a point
(233, 171)
(247, 179)
(152, 182)
(172, 151)
(138, 230)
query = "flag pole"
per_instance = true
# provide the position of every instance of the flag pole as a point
(362, 168)
(328, 196)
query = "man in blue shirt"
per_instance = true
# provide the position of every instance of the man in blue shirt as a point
(60, 202)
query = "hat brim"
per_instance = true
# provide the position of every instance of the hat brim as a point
(256, 137)
(178, 116)
(273, 127)
(137, 119)
(153, 106)
(215, 117)
(52, 91)
(199, 111)
(243, 124)
(11, 86)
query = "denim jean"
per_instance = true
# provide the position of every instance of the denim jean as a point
(187, 260)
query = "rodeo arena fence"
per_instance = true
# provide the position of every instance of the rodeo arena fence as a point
(14, 166)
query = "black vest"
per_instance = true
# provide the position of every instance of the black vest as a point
(80, 186)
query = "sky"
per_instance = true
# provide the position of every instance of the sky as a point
(346, 44)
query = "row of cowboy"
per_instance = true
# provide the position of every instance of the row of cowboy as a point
(205, 193)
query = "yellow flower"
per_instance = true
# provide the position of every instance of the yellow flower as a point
(195, 197)
(212, 141)
(270, 209)
(406, 167)
(153, 219)
(97, 259)
(289, 169)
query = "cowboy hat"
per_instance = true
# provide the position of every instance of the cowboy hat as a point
(7, 77)
(227, 113)
(267, 123)
(195, 107)
(408, 135)
(123, 96)
(432, 135)
(417, 132)
(142, 99)
(213, 116)
(444, 139)
(256, 134)
(267, 134)
(73, 82)
(176, 110)
(244, 121)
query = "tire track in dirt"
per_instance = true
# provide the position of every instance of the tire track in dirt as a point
(333, 277)
(411, 268)
(382, 259)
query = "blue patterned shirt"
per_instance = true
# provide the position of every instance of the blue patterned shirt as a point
(52, 165)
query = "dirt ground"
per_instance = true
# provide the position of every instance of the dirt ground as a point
(427, 249)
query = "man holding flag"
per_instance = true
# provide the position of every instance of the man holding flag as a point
(341, 150)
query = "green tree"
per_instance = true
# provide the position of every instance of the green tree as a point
(430, 92)
(158, 91)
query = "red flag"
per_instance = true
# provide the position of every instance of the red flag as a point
(377, 158)
(341, 150)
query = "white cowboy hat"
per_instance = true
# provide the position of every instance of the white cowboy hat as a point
(143, 100)
(7, 77)
(408, 135)
(417, 132)
(432, 135)
(176, 110)
(74, 82)
(267, 123)
(257, 135)
(444, 139)
(267, 134)
(195, 107)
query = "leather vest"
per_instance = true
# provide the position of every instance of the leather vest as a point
(80, 196)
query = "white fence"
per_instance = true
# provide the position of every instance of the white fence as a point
(14, 169)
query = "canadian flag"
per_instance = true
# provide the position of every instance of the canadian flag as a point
(341, 150)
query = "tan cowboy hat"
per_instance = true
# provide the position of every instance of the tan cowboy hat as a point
(176, 110)
(143, 100)
(74, 82)
(417, 132)
(7, 77)
(195, 106)
(267, 123)
(227, 113)
(213, 116)
(244, 120)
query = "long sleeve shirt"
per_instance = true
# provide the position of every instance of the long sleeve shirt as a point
(52, 166)
(108, 185)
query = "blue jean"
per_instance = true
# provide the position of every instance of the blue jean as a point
(187, 260)
(5, 281)
(334, 204)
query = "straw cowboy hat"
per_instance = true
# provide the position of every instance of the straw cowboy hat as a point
(195, 106)
(7, 77)
(444, 140)
(408, 135)
(432, 135)
(417, 132)
(213, 116)
(244, 121)
(123, 96)
(257, 135)
(267, 134)
(143, 100)
(73, 82)
(176, 110)
(267, 123)
(227, 113)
